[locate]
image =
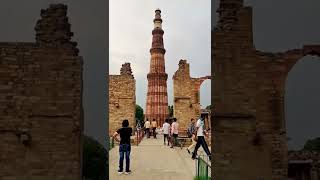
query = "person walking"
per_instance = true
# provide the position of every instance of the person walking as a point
(175, 133)
(200, 132)
(170, 132)
(192, 134)
(154, 127)
(125, 145)
(166, 131)
(147, 128)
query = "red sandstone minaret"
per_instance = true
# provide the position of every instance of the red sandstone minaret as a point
(157, 97)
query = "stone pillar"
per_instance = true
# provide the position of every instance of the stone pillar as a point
(157, 97)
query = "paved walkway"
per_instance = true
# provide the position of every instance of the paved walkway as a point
(152, 160)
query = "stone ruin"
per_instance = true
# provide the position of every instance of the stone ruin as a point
(186, 95)
(206, 115)
(126, 69)
(41, 110)
(122, 98)
(304, 165)
(249, 132)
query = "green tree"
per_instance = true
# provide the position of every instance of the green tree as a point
(312, 145)
(170, 110)
(95, 159)
(139, 114)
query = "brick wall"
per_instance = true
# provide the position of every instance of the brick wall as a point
(186, 92)
(122, 99)
(41, 103)
(249, 87)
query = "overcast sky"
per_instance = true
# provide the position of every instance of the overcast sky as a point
(187, 35)
(288, 24)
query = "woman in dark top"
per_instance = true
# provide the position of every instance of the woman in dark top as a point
(125, 146)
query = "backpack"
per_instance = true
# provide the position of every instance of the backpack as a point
(189, 132)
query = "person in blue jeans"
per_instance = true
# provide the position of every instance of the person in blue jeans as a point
(125, 146)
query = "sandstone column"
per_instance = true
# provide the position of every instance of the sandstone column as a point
(157, 97)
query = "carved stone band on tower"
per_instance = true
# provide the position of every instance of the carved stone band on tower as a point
(157, 97)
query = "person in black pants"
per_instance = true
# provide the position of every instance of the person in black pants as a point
(125, 145)
(175, 133)
(154, 127)
(200, 139)
(166, 131)
(147, 128)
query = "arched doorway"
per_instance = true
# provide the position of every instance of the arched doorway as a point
(302, 101)
(186, 95)
(205, 102)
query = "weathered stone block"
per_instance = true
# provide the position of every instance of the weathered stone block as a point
(33, 117)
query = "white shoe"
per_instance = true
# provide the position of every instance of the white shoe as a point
(120, 172)
(126, 173)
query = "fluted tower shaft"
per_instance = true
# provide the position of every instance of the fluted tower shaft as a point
(157, 96)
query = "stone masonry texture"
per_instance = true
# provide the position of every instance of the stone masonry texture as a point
(41, 115)
(305, 163)
(186, 95)
(249, 133)
(122, 98)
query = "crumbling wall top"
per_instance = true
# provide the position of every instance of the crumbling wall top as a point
(183, 70)
(304, 155)
(126, 69)
(53, 29)
(228, 11)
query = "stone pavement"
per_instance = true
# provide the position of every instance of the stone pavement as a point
(153, 160)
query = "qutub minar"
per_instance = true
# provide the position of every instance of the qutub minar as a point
(157, 97)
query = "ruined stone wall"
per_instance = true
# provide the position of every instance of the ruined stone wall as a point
(299, 160)
(122, 99)
(249, 99)
(206, 115)
(186, 92)
(41, 115)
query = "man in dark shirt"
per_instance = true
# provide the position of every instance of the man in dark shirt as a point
(125, 146)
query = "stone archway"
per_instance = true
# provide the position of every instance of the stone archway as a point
(301, 99)
(186, 93)
(281, 67)
(249, 87)
(205, 102)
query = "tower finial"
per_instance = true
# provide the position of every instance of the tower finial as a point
(157, 19)
(228, 13)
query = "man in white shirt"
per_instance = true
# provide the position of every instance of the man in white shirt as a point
(201, 140)
(166, 130)
(147, 128)
(175, 133)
